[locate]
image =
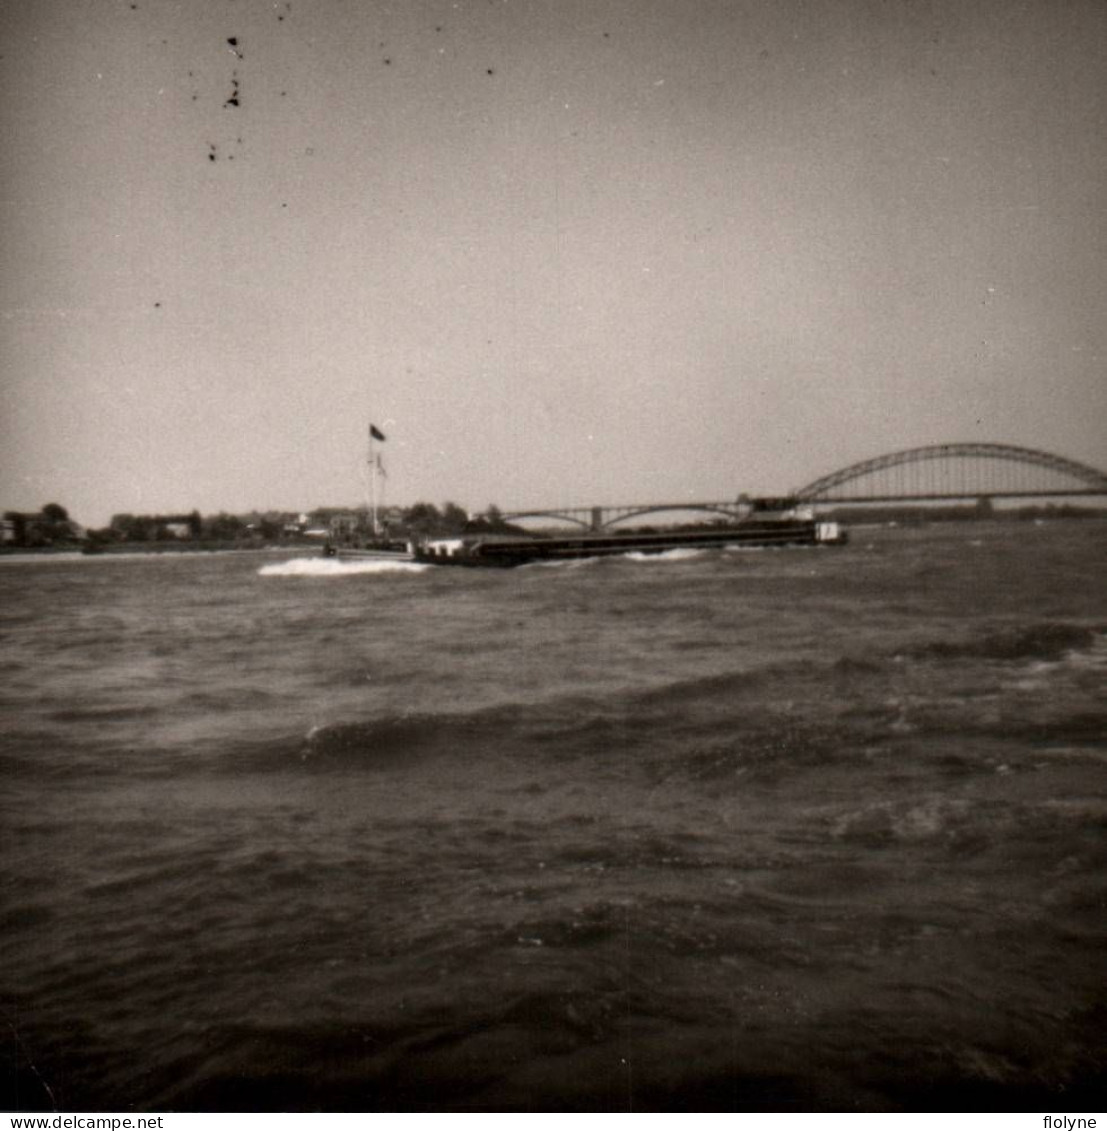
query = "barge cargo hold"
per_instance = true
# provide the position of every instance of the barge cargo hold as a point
(379, 550)
(490, 550)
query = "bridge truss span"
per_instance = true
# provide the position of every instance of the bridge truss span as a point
(957, 471)
(605, 517)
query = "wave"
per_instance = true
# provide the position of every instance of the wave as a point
(1078, 734)
(1048, 640)
(764, 718)
(680, 554)
(674, 722)
(564, 563)
(556, 1045)
(390, 741)
(676, 555)
(333, 567)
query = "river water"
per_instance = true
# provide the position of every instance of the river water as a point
(814, 829)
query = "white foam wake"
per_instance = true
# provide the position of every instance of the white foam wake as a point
(333, 567)
(680, 554)
(561, 563)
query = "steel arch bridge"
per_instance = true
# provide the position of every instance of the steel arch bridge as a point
(956, 471)
(936, 472)
(601, 518)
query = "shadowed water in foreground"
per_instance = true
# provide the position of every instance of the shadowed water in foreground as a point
(813, 829)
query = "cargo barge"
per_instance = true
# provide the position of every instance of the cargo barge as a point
(768, 523)
(493, 550)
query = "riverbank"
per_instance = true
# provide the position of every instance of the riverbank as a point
(199, 547)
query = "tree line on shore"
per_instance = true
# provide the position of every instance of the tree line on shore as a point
(52, 526)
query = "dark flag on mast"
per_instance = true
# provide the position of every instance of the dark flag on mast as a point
(375, 432)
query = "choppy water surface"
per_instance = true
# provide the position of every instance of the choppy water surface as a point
(816, 829)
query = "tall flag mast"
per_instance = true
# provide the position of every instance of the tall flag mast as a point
(374, 434)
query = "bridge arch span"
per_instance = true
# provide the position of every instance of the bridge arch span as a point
(718, 510)
(577, 516)
(606, 517)
(1094, 481)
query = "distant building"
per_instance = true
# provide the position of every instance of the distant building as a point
(345, 523)
(49, 527)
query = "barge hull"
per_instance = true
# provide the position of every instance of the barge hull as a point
(379, 552)
(508, 552)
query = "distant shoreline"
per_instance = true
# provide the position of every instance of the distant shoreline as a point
(206, 547)
(857, 521)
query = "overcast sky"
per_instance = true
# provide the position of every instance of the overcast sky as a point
(559, 251)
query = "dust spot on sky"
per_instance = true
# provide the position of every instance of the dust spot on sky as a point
(490, 71)
(232, 42)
